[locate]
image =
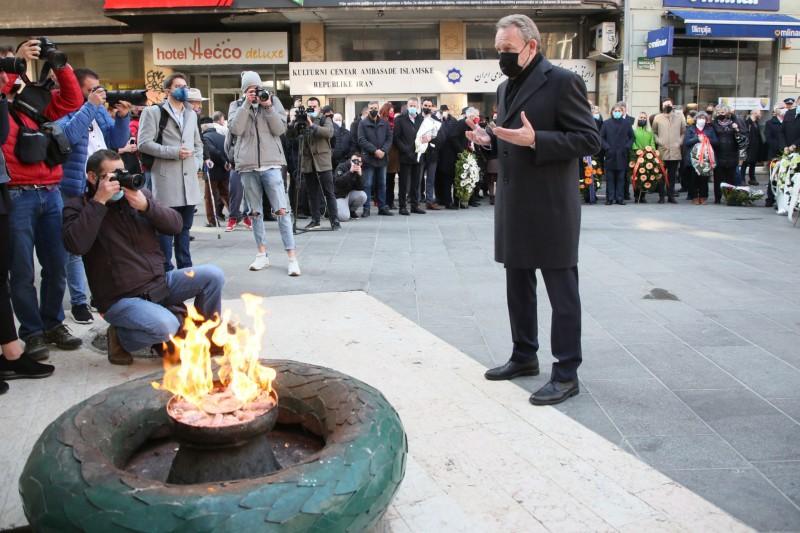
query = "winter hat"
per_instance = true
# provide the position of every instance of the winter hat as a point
(250, 79)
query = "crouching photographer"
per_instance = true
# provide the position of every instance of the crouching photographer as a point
(349, 188)
(113, 226)
(314, 130)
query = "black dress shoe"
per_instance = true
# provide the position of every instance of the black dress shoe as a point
(403, 211)
(555, 392)
(672, 201)
(417, 211)
(62, 337)
(511, 370)
(452, 206)
(384, 211)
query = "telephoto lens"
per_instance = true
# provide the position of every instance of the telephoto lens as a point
(136, 97)
(13, 65)
(53, 55)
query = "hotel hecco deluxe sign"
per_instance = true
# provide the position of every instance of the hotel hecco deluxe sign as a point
(261, 48)
(433, 77)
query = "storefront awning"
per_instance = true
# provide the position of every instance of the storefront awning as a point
(735, 24)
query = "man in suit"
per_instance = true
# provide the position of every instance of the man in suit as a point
(406, 127)
(544, 127)
(791, 126)
(178, 153)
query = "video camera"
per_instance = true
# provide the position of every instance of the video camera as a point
(135, 97)
(130, 181)
(13, 65)
(51, 53)
(300, 119)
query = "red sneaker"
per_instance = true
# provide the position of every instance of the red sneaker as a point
(231, 224)
(247, 223)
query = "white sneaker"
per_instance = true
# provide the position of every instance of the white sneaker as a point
(261, 262)
(294, 267)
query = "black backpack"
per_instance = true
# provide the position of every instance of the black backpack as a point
(147, 159)
(48, 144)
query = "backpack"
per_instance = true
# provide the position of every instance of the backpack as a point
(147, 159)
(48, 143)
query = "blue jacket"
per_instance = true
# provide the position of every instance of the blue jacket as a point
(616, 136)
(76, 126)
(693, 138)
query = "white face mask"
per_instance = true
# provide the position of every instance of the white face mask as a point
(337, 121)
(701, 124)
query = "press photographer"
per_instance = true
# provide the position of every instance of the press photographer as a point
(113, 226)
(34, 151)
(258, 154)
(315, 131)
(89, 129)
(349, 186)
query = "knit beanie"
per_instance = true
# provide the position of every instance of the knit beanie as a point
(249, 79)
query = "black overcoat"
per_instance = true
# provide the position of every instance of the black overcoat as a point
(537, 206)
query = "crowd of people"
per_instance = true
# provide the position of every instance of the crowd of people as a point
(728, 146)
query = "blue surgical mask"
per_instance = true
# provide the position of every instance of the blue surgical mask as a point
(596, 116)
(412, 111)
(117, 196)
(312, 114)
(617, 114)
(181, 94)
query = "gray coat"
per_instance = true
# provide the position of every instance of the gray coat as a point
(258, 137)
(537, 207)
(174, 179)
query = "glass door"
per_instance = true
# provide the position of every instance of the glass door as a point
(221, 99)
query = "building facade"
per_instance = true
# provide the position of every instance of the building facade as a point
(744, 53)
(343, 51)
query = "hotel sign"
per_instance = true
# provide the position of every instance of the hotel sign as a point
(390, 77)
(262, 48)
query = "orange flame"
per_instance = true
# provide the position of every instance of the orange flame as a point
(191, 375)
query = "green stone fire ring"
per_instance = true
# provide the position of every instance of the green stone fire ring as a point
(79, 475)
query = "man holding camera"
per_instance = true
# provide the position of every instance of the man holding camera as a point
(177, 152)
(34, 192)
(258, 154)
(89, 129)
(349, 187)
(113, 226)
(315, 131)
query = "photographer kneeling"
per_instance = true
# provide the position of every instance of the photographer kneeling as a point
(349, 188)
(113, 226)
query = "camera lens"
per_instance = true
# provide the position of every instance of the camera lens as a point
(13, 65)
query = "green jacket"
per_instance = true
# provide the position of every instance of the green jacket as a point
(642, 138)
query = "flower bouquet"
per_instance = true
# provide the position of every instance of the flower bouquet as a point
(468, 174)
(783, 177)
(592, 174)
(647, 170)
(740, 196)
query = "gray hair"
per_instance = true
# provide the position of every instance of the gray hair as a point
(218, 116)
(722, 109)
(527, 28)
(377, 103)
(412, 99)
(471, 112)
(699, 115)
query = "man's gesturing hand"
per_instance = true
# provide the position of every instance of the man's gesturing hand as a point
(524, 136)
(478, 135)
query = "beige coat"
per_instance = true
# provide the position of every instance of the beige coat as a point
(669, 131)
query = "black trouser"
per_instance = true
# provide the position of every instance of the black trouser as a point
(672, 172)
(697, 184)
(313, 184)
(751, 166)
(8, 331)
(444, 187)
(722, 174)
(409, 184)
(565, 332)
(390, 181)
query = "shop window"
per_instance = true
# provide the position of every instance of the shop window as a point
(119, 65)
(558, 41)
(382, 43)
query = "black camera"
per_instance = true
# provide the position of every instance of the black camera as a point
(13, 65)
(136, 97)
(300, 119)
(263, 94)
(51, 53)
(130, 181)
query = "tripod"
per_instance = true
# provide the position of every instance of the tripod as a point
(301, 137)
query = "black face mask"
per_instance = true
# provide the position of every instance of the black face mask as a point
(373, 113)
(426, 111)
(509, 64)
(642, 123)
(668, 109)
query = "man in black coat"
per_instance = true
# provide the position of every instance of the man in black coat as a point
(342, 144)
(775, 141)
(454, 143)
(791, 127)
(544, 127)
(404, 136)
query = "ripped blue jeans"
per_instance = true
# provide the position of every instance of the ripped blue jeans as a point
(270, 181)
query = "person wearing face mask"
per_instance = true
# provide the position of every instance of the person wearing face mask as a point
(642, 138)
(544, 127)
(195, 99)
(727, 149)
(117, 233)
(170, 134)
(669, 128)
(375, 141)
(775, 142)
(89, 129)
(616, 137)
(342, 142)
(429, 137)
(404, 136)
(754, 146)
(702, 133)
(387, 113)
(791, 125)
(317, 165)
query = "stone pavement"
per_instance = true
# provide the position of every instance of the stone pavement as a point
(691, 328)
